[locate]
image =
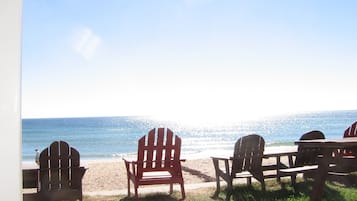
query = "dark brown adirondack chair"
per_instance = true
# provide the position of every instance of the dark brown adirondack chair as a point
(245, 163)
(60, 174)
(306, 160)
(158, 161)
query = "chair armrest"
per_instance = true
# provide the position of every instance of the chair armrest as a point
(129, 160)
(216, 161)
(138, 162)
(133, 164)
(83, 170)
(220, 158)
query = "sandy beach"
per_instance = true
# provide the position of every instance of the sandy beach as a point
(109, 176)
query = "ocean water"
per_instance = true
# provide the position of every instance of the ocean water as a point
(113, 137)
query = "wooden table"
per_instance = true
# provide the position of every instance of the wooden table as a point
(273, 152)
(29, 181)
(327, 146)
(277, 153)
(29, 175)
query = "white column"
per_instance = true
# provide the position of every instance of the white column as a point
(10, 114)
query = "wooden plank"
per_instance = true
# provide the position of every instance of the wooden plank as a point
(54, 164)
(169, 148)
(44, 170)
(64, 162)
(177, 148)
(299, 169)
(29, 178)
(141, 156)
(150, 150)
(76, 176)
(159, 150)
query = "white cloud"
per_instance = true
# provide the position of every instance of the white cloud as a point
(86, 42)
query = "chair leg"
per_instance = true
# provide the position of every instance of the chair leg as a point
(218, 187)
(293, 179)
(183, 191)
(229, 189)
(128, 187)
(260, 177)
(263, 185)
(249, 181)
(171, 188)
(136, 192)
(262, 181)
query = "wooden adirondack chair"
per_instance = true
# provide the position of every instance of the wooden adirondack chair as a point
(158, 161)
(60, 174)
(350, 132)
(245, 163)
(306, 160)
(346, 159)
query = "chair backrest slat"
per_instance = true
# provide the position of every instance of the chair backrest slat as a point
(160, 149)
(177, 152)
(65, 162)
(150, 149)
(168, 148)
(44, 170)
(54, 164)
(75, 172)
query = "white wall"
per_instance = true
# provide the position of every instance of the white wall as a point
(10, 118)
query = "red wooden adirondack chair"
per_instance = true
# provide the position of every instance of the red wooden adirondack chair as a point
(349, 132)
(158, 161)
(346, 158)
(60, 174)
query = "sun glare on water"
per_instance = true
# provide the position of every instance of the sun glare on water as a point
(209, 118)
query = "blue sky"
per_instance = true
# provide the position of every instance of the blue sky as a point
(188, 59)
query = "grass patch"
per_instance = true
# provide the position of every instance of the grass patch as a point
(274, 192)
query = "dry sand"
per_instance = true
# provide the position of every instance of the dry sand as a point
(109, 177)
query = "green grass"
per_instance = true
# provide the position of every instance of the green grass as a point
(274, 192)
